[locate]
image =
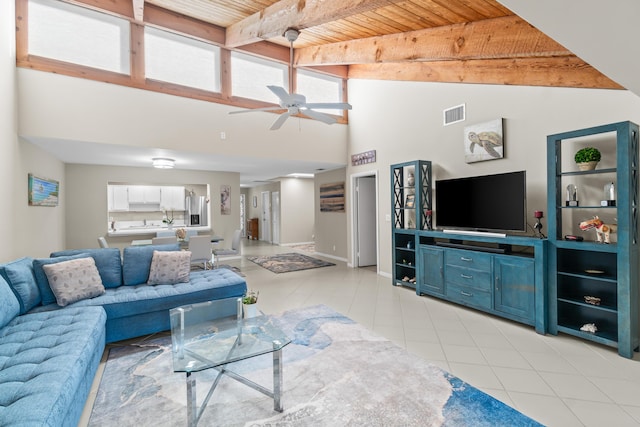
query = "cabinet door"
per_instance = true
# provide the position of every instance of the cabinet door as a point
(432, 279)
(152, 194)
(136, 193)
(172, 198)
(514, 286)
(118, 198)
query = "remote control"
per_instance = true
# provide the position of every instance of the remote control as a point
(573, 238)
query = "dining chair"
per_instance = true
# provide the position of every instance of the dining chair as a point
(232, 253)
(103, 242)
(164, 240)
(200, 248)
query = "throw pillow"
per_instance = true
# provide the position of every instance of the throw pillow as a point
(136, 262)
(108, 262)
(19, 275)
(168, 268)
(41, 278)
(74, 280)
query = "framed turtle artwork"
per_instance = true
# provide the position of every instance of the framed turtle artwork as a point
(483, 141)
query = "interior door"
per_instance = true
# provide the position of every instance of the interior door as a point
(265, 226)
(366, 239)
(275, 217)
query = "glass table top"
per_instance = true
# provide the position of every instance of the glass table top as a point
(213, 333)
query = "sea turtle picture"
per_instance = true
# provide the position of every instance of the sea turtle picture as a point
(484, 141)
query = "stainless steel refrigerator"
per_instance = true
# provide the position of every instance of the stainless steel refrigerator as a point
(196, 211)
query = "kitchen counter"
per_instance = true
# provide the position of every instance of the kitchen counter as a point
(151, 230)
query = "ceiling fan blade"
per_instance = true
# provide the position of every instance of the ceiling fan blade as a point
(281, 93)
(319, 116)
(329, 105)
(280, 121)
(256, 109)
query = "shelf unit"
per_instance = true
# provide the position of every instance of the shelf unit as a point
(411, 211)
(591, 282)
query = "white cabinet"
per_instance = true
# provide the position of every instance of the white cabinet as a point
(118, 198)
(144, 195)
(172, 198)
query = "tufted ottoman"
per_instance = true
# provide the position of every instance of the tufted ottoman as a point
(47, 364)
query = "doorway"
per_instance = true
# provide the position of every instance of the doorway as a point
(275, 217)
(365, 219)
(265, 226)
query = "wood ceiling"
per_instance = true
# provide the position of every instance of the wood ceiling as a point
(465, 41)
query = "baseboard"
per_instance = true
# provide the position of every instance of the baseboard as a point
(331, 256)
(297, 244)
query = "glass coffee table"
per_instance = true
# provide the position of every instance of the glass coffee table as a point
(212, 335)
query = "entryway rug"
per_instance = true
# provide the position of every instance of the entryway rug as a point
(336, 373)
(284, 263)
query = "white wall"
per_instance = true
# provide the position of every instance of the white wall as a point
(331, 227)
(296, 210)
(86, 199)
(8, 125)
(403, 121)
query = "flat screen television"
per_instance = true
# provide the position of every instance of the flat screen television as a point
(485, 203)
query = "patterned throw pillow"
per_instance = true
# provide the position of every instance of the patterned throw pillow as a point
(74, 280)
(168, 268)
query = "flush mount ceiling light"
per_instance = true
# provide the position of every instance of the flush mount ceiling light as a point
(163, 163)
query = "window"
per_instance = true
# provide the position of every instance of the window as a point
(317, 87)
(251, 75)
(81, 36)
(182, 60)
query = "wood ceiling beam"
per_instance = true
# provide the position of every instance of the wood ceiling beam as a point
(138, 10)
(567, 71)
(274, 20)
(506, 37)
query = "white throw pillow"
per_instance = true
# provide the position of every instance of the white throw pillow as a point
(74, 280)
(169, 267)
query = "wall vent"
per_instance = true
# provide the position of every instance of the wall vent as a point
(454, 115)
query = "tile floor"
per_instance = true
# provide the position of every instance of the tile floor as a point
(556, 380)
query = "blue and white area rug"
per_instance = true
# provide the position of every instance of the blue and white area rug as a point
(336, 373)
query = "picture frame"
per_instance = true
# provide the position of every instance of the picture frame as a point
(225, 200)
(484, 141)
(410, 202)
(332, 197)
(42, 191)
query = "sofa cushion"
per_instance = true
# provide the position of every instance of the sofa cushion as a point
(41, 278)
(47, 364)
(136, 262)
(19, 275)
(168, 268)
(108, 261)
(9, 305)
(204, 285)
(74, 280)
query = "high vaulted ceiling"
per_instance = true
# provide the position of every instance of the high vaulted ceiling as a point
(467, 41)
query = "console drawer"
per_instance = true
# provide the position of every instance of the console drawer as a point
(469, 296)
(471, 259)
(468, 277)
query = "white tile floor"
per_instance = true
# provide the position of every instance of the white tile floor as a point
(556, 380)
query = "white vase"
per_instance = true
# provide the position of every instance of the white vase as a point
(169, 226)
(587, 166)
(250, 310)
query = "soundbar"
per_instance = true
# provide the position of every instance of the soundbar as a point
(500, 250)
(474, 233)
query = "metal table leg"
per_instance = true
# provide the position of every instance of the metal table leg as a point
(277, 376)
(192, 408)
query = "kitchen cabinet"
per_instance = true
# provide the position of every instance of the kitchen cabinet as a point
(118, 199)
(172, 198)
(144, 195)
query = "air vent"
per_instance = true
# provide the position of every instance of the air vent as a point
(454, 115)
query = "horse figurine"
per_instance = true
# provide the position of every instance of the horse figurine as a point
(602, 229)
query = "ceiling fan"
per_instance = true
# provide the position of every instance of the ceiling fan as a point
(295, 103)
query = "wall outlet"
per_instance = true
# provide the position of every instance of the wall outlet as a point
(334, 248)
(223, 135)
(387, 218)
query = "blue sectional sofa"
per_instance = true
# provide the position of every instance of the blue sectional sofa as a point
(49, 354)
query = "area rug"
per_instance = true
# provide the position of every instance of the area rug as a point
(284, 263)
(336, 373)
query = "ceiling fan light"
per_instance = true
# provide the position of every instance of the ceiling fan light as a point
(163, 163)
